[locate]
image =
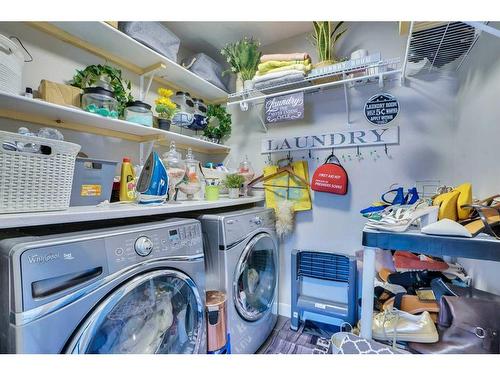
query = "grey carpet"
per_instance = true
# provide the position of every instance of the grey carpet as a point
(285, 341)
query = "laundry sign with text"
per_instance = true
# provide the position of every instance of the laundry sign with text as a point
(381, 109)
(284, 108)
(341, 139)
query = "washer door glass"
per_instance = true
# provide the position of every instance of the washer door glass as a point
(256, 278)
(159, 312)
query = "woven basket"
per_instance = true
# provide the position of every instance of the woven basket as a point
(32, 182)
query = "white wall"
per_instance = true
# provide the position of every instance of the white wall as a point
(425, 120)
(477, 142)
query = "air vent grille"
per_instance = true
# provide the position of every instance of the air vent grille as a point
(324, 266)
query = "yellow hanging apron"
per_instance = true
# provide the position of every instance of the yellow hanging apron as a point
(288, 187)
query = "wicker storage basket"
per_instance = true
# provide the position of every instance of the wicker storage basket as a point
(32, 182)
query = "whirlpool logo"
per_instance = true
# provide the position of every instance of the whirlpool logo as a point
(41, 259)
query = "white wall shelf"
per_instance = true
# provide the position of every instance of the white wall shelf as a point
(114, 211)
(111, 44)
(40, 112)
(374, 72)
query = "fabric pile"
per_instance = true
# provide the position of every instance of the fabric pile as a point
(280, 69)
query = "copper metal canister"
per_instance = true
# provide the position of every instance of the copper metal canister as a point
(216, 321)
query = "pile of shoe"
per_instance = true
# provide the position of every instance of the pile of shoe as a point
(406, 300)
(450, 212)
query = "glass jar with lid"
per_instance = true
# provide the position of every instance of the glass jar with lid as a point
(246, 171)
(176, 170)
(185, 106)
(200, 115)
(191, 184)
(139, 112)
(100, 101)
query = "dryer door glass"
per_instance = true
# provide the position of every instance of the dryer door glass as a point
(158, 312)
(256, 278)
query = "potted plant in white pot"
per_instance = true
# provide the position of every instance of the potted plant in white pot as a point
(243, 57)
(233, 184)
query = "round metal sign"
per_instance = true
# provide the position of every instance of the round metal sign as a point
(381, 109)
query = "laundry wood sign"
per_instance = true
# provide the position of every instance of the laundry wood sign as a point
(284, 108)
(342, 139)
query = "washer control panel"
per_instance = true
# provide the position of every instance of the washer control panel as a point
(143, 246)
(173, 240)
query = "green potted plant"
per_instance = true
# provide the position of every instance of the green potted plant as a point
(165, 108)
(219, 123)
(107, 77)
(233, 183)
(243, 57)
(325, 38)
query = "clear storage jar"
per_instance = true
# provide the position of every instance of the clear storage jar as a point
(139, 112)
(100, 101)
(191, 183)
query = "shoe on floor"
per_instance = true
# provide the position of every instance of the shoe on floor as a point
(395, 325)
(405, 261)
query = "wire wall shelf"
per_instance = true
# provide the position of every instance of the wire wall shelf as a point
(359, 75)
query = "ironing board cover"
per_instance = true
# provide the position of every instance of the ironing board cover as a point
(297, 192)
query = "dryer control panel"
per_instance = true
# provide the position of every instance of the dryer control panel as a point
(174, 241)
(238, 226)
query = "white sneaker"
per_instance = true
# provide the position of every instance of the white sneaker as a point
(395, 325)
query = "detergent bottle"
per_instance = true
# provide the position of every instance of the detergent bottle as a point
(127, 181)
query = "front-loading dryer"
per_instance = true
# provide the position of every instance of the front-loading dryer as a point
(128, 289)
(242, 259)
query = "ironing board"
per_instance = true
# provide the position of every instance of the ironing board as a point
(481, 248)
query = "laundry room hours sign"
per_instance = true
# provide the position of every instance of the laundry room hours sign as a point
(342, 139)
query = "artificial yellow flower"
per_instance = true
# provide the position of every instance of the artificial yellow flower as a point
(165, 102)
(165, 92)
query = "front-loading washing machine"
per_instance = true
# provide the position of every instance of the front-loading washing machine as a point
(128, 289)
(242, 259)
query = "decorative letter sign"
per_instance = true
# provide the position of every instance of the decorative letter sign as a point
(284, 108)
(348, 138)
(381, 109)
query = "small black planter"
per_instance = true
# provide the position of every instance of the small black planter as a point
(164, 124)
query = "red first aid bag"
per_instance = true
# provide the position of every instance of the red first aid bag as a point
(330, 177)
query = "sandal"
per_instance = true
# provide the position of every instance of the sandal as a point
(399, 219)
(487, 222)
(399, 199)
(412, 304)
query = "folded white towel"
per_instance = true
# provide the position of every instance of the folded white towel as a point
(284, 73)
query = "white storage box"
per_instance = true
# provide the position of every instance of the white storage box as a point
(35, 182)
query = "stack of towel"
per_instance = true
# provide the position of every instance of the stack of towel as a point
(280, 69)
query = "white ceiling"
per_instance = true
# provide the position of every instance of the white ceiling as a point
(210, 37)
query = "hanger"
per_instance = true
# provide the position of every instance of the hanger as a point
(281, 169)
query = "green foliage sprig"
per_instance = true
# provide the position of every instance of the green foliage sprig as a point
(325, 38)
(223, 128)
(233, 181)
(93, 73)
(243, 56)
